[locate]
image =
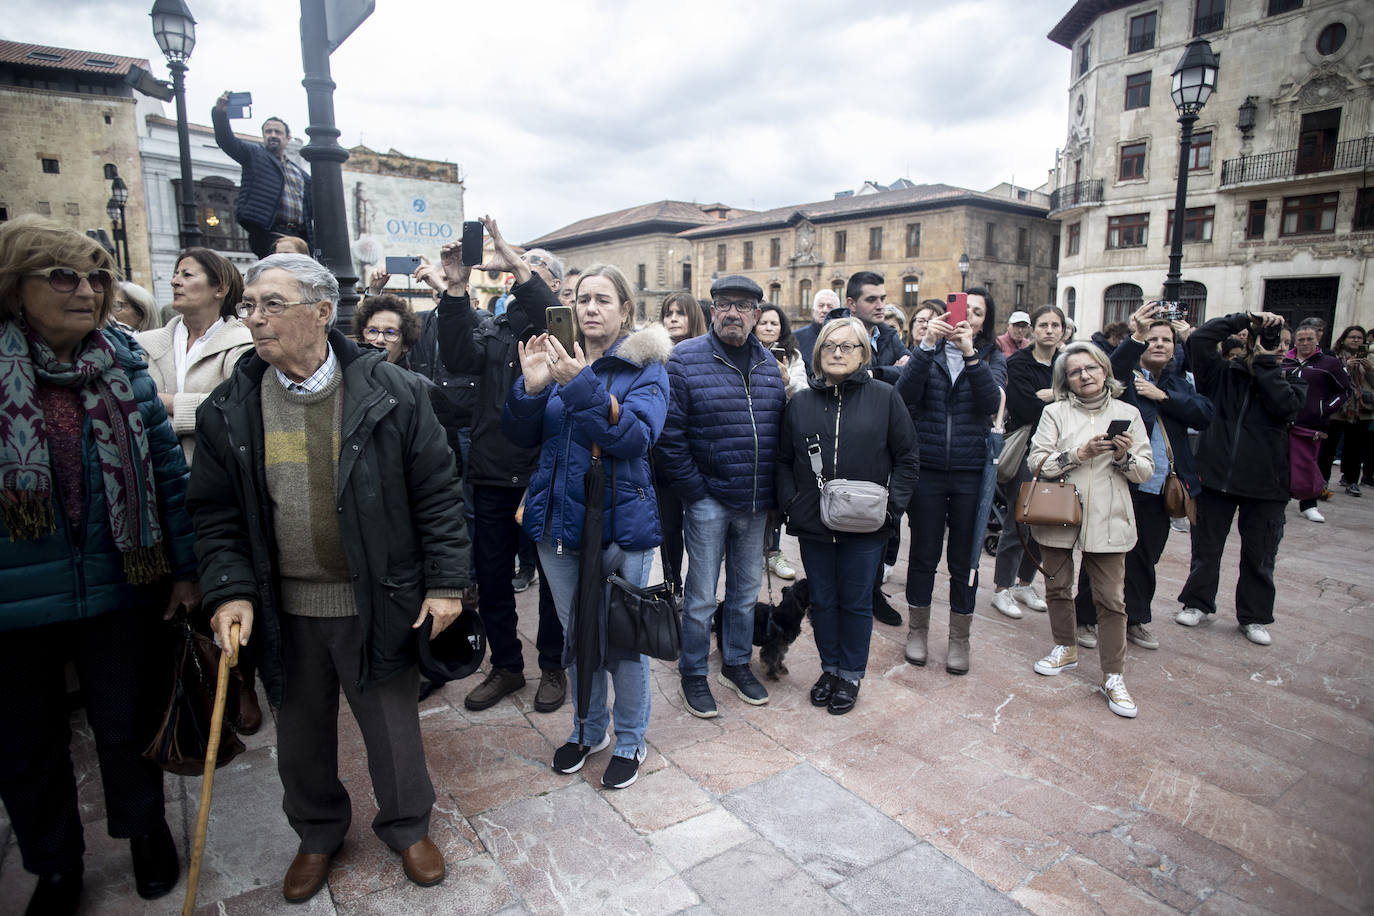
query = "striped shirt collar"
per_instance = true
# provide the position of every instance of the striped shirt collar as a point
(317, 381)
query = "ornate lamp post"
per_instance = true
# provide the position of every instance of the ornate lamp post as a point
(963, 272)
(1194, 79)
(119, 196)
(175, 31)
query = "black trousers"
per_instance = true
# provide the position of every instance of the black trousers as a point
(112, 654)
(1355, 436)
(264, 241)
(320, 655)
(1152, 533)
(1261, 530)
(495, 541)
(670, 517)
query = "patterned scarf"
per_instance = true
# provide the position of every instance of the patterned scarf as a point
(26, 476)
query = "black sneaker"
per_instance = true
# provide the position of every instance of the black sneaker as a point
(740, 679)
(821, 690)
(696, 693)
(884, 612)
(156, 868)
(621, 772)
(844, 696)
(569, 758)
(524, 576)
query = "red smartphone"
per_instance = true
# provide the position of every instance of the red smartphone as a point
(957, 307)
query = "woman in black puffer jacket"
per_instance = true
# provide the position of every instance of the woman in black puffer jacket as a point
(951, 385)
(843, 403)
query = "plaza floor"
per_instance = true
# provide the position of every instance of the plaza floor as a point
(1244, 786)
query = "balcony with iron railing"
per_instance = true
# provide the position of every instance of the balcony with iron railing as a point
(1142, 41)
(1211, 22)
(1078, 194)
(1289, 164)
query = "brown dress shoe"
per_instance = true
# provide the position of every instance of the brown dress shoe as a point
(497, 684)
(306, 876)
(423, 863)
(250, 713)
(553, 690)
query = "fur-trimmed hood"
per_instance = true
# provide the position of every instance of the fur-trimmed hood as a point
(650, 344)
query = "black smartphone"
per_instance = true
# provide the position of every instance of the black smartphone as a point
(1117, 427)
(402, 265)
(472, 243)
(560, 323)
(240, 105)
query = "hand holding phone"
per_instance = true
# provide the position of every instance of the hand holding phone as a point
(560, 324)
(240, 105)
(403, 265)
(472, 244)
(1116, 428)
(957, 308)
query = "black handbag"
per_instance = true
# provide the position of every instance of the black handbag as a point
(646, 621)
(183, 735)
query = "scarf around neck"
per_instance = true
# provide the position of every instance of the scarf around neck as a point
(121, 443)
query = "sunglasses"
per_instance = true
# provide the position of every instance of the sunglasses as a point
(66, 280)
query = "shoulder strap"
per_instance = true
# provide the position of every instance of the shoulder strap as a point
(813, 450)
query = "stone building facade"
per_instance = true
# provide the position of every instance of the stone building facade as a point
(1280, 208)
(911, 235)
(69, 120)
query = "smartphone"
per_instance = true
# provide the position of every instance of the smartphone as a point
(957, 307)
(560, 319)
(240, 105)
(1117, 427)
(472, 244)
(402, 265)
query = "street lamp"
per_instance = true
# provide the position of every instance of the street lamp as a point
(963, 272)
(175, 31)
(119, 196)
(1194, 79)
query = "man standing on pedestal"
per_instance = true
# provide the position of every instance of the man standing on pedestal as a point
(274, 192)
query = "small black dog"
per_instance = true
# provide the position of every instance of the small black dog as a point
(775, 628)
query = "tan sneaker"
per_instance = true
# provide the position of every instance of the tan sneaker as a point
(1087, 635)
(1118, 700)
(1060, 659)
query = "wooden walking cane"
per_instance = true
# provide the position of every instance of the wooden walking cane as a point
(229, 659)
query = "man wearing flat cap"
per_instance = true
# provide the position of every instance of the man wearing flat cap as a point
(724, 412)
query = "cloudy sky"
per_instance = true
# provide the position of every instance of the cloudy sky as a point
(569, 108)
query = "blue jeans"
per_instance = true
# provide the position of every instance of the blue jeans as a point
(630, 676)
(714, 533)
(944, 500)
(841, 576)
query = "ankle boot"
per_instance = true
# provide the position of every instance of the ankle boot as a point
(956, 660)
(917, 628)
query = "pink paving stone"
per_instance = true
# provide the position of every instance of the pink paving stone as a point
(1000, 848)
(661, 798)
(1262, 891)
(740, 756)
(1079, 885)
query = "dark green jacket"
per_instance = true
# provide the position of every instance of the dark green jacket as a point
(75, 574)
(399, 503)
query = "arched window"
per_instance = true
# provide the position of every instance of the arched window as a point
(1119, 301)
(838, 287)
(804, 298)
(1193, 297)
(216, 199)
(775, 294)
(911, 292)
(1070, 300)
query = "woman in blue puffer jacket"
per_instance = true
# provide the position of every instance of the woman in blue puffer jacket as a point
(563, 401)
(951, 384)
(92, 515)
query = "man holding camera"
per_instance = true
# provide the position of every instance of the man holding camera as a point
(274, 192)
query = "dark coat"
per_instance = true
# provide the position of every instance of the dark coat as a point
(1026, 376)
(460, 388)
(865, 433)
(471, 342)
(72, 575)
(806, 341)
(1183, 410)
(1244, 451)
(1328, 387)
(262, 180)
(953, 416)
(400, 507)
(722, 431)
(567, 420)
(886, 352)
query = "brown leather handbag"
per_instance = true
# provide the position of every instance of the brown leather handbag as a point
(1177, 502)
(1048, 502)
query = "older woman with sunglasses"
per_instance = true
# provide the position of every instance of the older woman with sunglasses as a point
(92, 486)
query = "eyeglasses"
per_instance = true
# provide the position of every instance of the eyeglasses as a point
(390, 335)
(270, 308)
(725, 306)
(66, 280)
(844, 348)
(1085, 371)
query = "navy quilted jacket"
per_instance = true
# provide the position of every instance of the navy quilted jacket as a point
(953, 418)
(261, 183)
(722, 430)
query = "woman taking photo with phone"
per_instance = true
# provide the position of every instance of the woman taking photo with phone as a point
(1090, 438)
(563, 400)
(843, 404)
(952, 387)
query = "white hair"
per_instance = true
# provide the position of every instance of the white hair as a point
(316, 282)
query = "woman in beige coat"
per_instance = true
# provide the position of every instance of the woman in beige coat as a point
(197, 349)
(1071, 444)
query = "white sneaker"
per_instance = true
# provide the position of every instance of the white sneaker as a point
(1005, 603)
(1029, 597)
(1312, 515)
(887, 573)
(1118, 700)
(1179, 524)
(780, 567)
(1257, 634)
(1190, 617)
